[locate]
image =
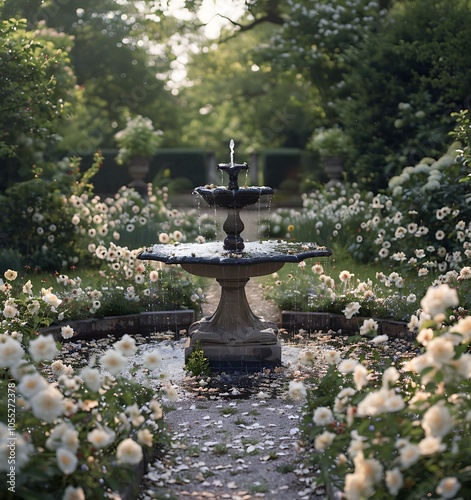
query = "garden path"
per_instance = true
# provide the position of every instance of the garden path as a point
(237, 440)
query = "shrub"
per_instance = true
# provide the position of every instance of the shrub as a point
(53, 219)
(402, 84)
(74, 430)
(137, 139)
(37, 219)
(330, 143)
(420, 228)
(198, 364)
(386, 296)
(403, 431)
(37, 89)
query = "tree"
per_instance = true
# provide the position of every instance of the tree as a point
(35, 91)
(403, 83)
(117, 72)
(231, 96)
(315, 39)
(388, 72)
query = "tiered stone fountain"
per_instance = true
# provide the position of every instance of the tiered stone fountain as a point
(233, 338)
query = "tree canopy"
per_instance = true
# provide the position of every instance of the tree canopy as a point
(35, 92)
(386, 72)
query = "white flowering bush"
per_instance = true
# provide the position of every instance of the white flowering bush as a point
(313, 289)
(329, 143)
(113, 231)
(65, 432)
(50, 225)
(126, 219)
(462, 134)
(420, 229)
(316, 35)
(37, 227)
(105, 239)
(125, 284)
(23, 311)
(138, 138)
(421, 223)
(403, 430)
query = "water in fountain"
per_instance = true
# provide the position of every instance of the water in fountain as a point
(231, 147)
(233, 337)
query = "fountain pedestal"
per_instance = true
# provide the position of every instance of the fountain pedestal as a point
(233, 338)
(241, 341)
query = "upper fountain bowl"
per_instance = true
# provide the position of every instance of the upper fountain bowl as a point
(233, 196)
(222, 197)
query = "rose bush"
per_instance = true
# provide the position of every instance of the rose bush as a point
(382, 429)
(70, 432)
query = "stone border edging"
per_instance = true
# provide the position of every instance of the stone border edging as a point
(142, 323)
(314, 321)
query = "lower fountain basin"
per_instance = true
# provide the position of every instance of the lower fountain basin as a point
(213, 254)
(232, 272)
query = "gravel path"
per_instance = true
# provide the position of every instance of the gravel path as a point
(234, 449)
(238, 437)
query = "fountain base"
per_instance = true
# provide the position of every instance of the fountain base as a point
(233, 338)
(249, 358)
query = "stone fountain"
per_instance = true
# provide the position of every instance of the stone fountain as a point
(233, 338)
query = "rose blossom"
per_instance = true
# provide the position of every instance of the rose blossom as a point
(323, 416)
(129, 452)
(113, 361)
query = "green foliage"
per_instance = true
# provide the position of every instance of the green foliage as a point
(330, 143)
(319, 289)
(37, 219)
(115, 62)
(388, 72)
(462, 133)
(414, 235)
(315, 38)
(197, 363)
(401, 84)
(250, 102)
(35, 91)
